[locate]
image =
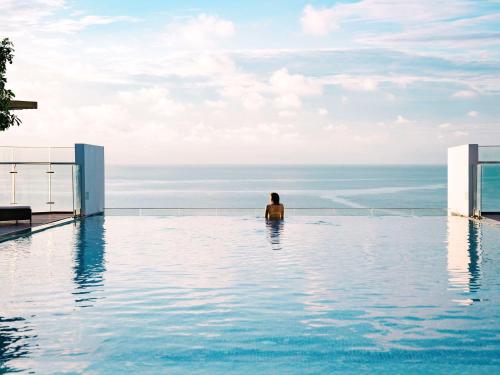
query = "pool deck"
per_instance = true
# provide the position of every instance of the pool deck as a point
(9, 229)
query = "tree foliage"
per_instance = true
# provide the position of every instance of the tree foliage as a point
(7, 119)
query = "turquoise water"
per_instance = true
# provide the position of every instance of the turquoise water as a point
(354, 186)
(490, 192)
(219, 295)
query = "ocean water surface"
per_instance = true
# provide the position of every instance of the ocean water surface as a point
(309, 186)
(212, 295)
(244, 186)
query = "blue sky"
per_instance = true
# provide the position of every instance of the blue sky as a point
(370, 81)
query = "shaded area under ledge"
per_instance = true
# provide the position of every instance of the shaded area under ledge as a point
(492, 216)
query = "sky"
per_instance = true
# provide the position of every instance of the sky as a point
(194, 82)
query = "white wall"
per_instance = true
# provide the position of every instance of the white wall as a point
(90, 158)
(462, 164)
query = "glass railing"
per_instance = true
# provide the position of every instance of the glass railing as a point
(489, 187)
(259, 212)
(489, 154)
(44, 178)
(488, 180)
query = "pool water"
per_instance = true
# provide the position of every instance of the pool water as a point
(216, 295)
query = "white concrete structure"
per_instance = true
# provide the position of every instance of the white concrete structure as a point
(462, 179)
(90, 159)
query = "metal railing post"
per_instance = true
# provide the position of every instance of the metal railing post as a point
(13, 173)
(73, 190)
(50, 172)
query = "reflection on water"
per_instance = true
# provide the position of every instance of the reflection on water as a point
(89, 259)
(464, 256)
(274, 228)
(14, 341)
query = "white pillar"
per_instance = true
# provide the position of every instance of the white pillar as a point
(90, 159)
(462, 170)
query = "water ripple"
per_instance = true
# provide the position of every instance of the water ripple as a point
(237, 295)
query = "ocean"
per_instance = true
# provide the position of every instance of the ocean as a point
(300, 186)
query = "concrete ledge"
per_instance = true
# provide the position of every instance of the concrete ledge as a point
(16, 232)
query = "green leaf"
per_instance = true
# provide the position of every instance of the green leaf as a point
(7, 119)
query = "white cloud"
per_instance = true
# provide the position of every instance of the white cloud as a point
(321, 21)
(74, 25)
(371, 82)
(463, 27)
(204, 30)
(444, 125)
(473, 114)
(460, 133)
(318, 21)
(436, 37)
(271, 129)
(19, 15)
(283, 129)
(403, 12)
(464, 94)
(289, 88)
(370, 138)
(353, 83)
(284, 83)
(107, 117)
(215, 104)
(287, 114)
(291, 136)
(460, 31)
(200, 133)
(253, 101)
(287, 101)
(37, 19)
(322, 111)
(154, 100)
(188, 64)
(332, 127)
(402, 120)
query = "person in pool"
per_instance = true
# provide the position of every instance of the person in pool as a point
(275, 210)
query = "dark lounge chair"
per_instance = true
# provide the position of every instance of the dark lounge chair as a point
(9, 213)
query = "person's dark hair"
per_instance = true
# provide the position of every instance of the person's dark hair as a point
(275, 198)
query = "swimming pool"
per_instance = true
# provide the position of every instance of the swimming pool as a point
(233, 295)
